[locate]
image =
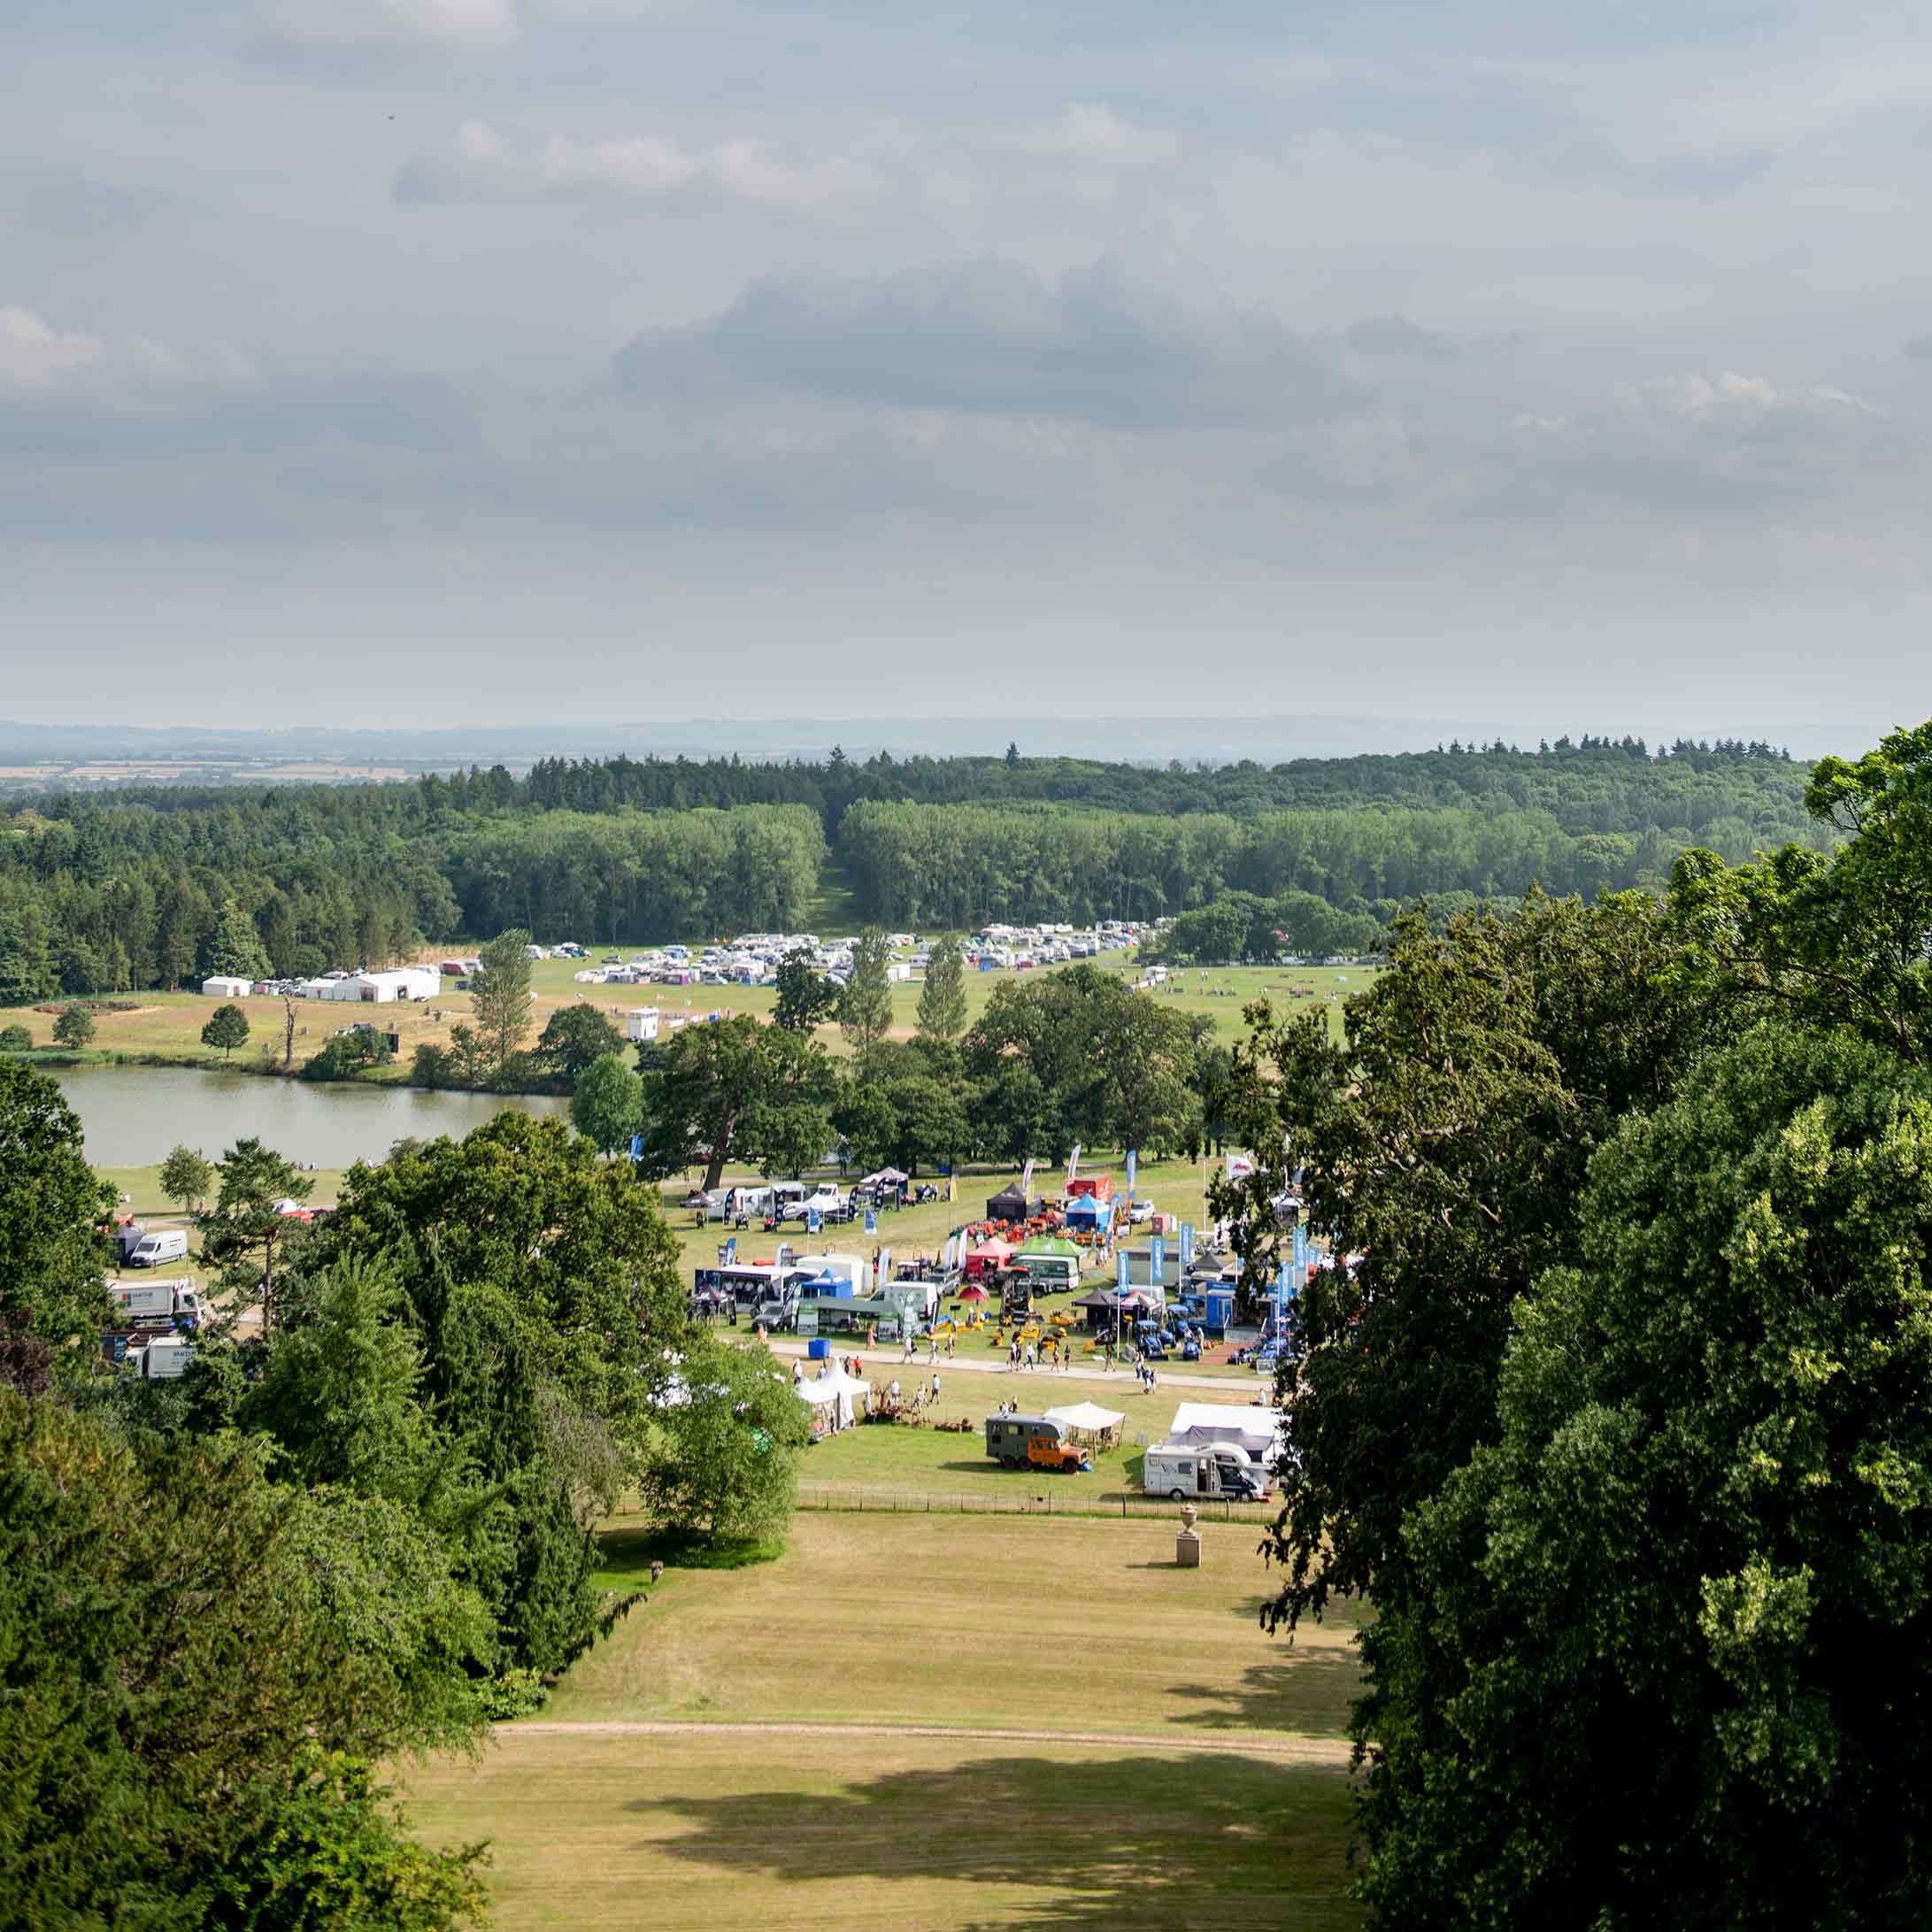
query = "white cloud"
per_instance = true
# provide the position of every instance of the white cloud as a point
(1091, 131)
(481, 165)
(75, 392)
(364, 27)
(36, 357)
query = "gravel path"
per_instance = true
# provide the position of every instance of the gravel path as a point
(885, 1355)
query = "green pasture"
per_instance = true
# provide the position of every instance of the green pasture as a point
(978, 1723)
(167, 1027)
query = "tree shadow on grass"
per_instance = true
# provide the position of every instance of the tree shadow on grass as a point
(1306, 1689)
(1205, 1840)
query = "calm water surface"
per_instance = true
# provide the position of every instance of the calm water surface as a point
(132, 1115)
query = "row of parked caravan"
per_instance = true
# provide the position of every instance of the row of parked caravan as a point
(1184, 1470)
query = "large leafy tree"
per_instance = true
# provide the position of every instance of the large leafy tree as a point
(805, 995)
(245, 1235)
(1118, 1067)
(735, 1090)
(187, 1175)
(53, 1300)
(234, 947)
(942, 999)
(544, 1290)
(188, 1649)
(1673, 1636)
(226, 1029)
(607, 1107)
(1843, 939)
(574, 1038)
(724, 1456)
(1442, 1143)
(865, 1005)
(500, 993)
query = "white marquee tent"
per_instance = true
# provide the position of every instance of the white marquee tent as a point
(845, 1395)
(1086, 1418)
(1253, 1429)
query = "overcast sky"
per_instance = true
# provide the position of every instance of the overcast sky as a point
(454, 361)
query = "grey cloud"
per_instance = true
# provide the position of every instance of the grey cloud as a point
(1396, 335)
(992, 336)
(1919, 349)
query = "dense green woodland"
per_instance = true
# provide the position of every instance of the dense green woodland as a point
(361, 1529)
(99, 894)
(1623, 1418)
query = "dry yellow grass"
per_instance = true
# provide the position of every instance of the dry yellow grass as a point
(1216, 1794)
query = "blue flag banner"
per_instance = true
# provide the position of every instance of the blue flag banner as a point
(1301, 1248)
(872, 1220)
(637, 1146)
(1133, 1165)
(1119, 1269)
(812, 1221)
(1186, 1244)
(1157, 1261)
(731, 1251)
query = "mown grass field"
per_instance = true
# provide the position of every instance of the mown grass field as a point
(994, 1723)
(168, 1024)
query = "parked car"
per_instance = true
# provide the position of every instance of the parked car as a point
(1050, 1452)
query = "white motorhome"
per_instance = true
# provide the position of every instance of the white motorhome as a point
(164, 1244)
(1187, 1471)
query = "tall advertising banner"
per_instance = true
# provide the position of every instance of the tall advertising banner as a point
(1120, 1271)
(1133, 1165)
(1157, 1260)
(1186, 1244)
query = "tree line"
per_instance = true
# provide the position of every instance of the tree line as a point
(360, 1525)
(1620, 1415)
(160, 888)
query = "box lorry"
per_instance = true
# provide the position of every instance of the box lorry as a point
(1188, 1470)
(160, 1305)
(164, 1357)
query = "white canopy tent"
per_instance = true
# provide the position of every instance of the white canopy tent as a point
(1086, 1418)
(1254, 1428)
(832, 1389)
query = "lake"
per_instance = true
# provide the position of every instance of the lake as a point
(132, 1115)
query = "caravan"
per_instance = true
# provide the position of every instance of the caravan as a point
(1188, 1470)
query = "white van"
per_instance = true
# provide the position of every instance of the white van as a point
(1185, 1471)
(165, 1245)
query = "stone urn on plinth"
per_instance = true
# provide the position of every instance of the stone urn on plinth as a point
(1187, 1545)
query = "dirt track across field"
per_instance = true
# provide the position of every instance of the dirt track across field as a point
(1327, 1750)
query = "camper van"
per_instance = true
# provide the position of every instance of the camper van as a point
(1186, 1471)
(165, 1245)
(1009, 1437)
